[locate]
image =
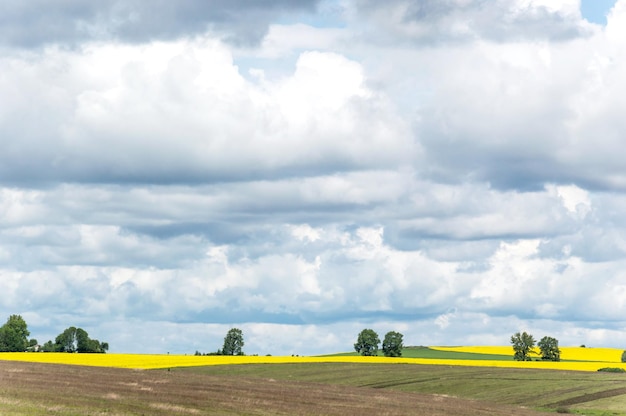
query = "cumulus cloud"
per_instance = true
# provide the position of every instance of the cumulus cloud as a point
(514, 114)
(298, 272)
(121, 113)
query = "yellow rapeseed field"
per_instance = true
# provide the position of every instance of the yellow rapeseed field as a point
(590, 359)
(605, 355)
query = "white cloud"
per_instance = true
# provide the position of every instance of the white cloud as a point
(121, 112)
(306, 232)
(615, 24)
(575, 199)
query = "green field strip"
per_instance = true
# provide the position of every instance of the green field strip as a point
(428, 353)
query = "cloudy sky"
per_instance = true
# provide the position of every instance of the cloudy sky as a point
(304, 169)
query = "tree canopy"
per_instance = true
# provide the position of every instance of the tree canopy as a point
(549, 349)
(233, 342)
(14, 335)
(392, 344)
(522, 346)
(367, 342)
(76, 340)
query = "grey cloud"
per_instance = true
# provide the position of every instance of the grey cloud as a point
(168, 227)
(433, 22)
(93, 245)
(274, 275)
(71, 22)
(521, 115)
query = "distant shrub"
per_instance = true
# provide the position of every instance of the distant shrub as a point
(612, 370)
(624, 357)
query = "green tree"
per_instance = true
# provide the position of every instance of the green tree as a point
(14, 335)
(624, 357)
(77, 340)
(392, 344)
(48, 347)
(367, 342)
(549, 348)
(522, 346)
(233, 342)
(86, 344)
(66, 341)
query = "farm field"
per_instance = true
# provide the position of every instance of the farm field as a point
(36, 389)
(450, 380)
(611, 355)
(573, 358)
(546, 390)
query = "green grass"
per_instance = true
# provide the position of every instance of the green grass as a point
(425, 352)
(586, 393)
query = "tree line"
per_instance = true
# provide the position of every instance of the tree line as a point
(14, 338)
(523, 344)
(367, 343)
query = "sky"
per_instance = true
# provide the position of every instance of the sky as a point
(302, 170)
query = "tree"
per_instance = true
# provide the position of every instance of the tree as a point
(66, 341)
(549, 349)
(83, 343)
(77, 340)
(14, 335)
(233, 342)
(392, 344)
(367, 343)
(522, 346)
(47, 347)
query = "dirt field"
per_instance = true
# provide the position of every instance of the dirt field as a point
(48, 389)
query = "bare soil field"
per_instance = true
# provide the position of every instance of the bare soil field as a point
(49, 389)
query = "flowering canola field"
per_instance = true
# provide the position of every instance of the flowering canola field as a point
(606, 355)
(587, 359)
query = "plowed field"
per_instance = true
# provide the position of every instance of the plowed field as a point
(51, 389)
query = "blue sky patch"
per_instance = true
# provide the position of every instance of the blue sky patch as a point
(596, 11)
